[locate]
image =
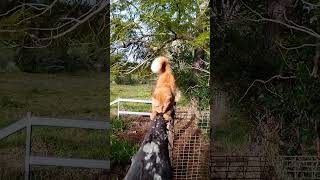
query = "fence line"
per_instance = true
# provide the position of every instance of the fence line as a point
(259, 167)
(30, 121)
(119, 112)
(7, 131)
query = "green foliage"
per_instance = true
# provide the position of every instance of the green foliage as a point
(120, 69)
(128, 79)
(6, 60)
(297, 103)
(140, 27)
(242, 57)
(122, 150)
(193, 85)
(234, 131)
(50, 61)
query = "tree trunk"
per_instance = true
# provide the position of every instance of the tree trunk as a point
(275, 10)
(317, 130)
(279, 10)
(316, 61)
(198, 59)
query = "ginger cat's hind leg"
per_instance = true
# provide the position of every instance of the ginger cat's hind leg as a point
(167, 116)
(153, 115)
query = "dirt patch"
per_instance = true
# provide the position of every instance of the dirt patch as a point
(138, 128)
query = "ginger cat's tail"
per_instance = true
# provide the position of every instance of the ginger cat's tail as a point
(160, 65)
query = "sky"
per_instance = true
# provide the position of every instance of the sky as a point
(144, 28)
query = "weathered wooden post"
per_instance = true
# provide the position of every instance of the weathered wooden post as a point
(152, 160)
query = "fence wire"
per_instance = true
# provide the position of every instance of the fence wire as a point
(190, 142)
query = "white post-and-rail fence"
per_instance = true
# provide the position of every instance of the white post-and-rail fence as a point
(30, 121)
(119, 100)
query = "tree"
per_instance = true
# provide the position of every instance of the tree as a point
(146, 29)
(281, 77)
(55, 24)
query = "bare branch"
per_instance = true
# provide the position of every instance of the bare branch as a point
(310, 4)
(32, 5)
(78, 21)
(11, 30)
(200, 69)
(11, 10)
(71, 20)
(265, 82)
(296, 27)
(138, 66)
(103, 5)
(295, 24)
(297, 47)
(43, 12)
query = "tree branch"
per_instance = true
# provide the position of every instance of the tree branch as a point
(32, 5)
(78, 21)
(297, 47)
(310, 4)
(102, 6)
(265, 82)
(296, 27)
(43, 12)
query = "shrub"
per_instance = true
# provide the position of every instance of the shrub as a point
(122, 151)
(128, 79)
(50, 61)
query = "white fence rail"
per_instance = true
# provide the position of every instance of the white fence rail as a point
(30, 121)
(119, 112)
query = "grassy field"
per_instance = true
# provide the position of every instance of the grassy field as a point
(63, 96)
(55, 95)
(232, 134)
(140, 91)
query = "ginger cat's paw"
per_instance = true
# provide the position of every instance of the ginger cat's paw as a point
(167, 117)
(153, 115)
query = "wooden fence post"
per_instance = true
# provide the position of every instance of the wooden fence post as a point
(28, 147)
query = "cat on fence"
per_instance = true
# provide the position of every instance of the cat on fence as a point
(165, 93)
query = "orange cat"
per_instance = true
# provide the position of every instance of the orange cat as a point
(164, 94)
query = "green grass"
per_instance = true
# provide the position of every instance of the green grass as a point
(55, 95)
(63, 96)
(140, 91)
(233, 133)
(51, 95)
(122, 150)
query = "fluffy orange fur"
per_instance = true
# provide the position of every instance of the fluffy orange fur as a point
(163, 96)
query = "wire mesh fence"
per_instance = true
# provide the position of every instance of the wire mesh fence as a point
(190, 146)
(301, 167)
(239, 167)
(261, 167)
